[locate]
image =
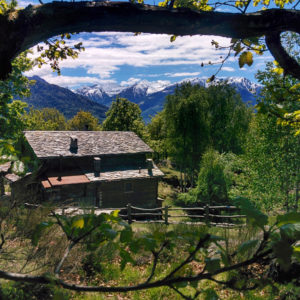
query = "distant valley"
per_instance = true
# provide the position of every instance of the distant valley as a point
(97, 98)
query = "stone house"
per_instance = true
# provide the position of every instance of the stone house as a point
(106, 169)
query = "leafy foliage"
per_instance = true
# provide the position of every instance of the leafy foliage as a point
(17, 85)
(45, 119)
(195, 118)
(281, 93)
(83, 121)
(55, 50)
(124, 115)
(211, 186)
(6, 6)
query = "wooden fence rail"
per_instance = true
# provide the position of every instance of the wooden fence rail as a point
(206, 215)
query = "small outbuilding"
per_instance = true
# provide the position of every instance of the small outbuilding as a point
(106, 169)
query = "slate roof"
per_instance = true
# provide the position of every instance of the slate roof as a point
(113, 174)
(51, 144)
(125, 173)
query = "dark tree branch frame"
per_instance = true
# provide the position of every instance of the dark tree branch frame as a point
(20, 30)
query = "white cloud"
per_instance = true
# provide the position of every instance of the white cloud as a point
(106, 53)
(183, 74)
(43, 71)
(228, 69)
(73, 81)
(130, 81)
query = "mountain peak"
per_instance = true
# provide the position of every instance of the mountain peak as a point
(151, 95)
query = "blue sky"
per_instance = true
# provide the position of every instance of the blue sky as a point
(122, 58)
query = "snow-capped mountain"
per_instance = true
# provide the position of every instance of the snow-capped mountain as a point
(151, 95)
(95, 93)
(136, 92)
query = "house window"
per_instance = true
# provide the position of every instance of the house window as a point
(128, 187)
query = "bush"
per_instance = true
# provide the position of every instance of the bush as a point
(212, 185)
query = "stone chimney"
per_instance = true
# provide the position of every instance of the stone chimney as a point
(73, 144)
(149, 166)
(97, 166)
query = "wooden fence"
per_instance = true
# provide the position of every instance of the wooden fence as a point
(220, 216)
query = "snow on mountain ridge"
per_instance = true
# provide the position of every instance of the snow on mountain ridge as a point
(144, 92)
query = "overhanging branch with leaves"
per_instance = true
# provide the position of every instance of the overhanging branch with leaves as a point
(22, 29)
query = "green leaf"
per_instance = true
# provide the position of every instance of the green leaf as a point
(210, 294)
(289, 218)
(246, 246)
(253, 215)
(261, 107)
(126, 235)
(125, 258)
(149, 243)
(79, 223)
(212, 264)
(115, 213)
(296, 252)
(290, 232)
(210, 79)
(135, 246)
(238, 48)
(246, 58)
(38, 231)
(295, 87)
(173, 38)
(110, 233)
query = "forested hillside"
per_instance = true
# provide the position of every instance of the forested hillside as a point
(44, 95)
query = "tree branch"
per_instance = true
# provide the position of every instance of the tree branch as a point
(179, 293)
(20, 30)
(191, 256)
(69, 248)
(44, 279)
(155, 260)
(288, 63)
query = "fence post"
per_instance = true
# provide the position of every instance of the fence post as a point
(129, 213)
(166, 214)
(207, 214)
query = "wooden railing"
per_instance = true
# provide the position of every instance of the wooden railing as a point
(207, 215)
(189, 215)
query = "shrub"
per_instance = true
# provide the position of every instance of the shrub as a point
(212, 185)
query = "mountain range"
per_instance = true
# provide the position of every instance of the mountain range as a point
(151, 98)
(44, 94)
(97, 98)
